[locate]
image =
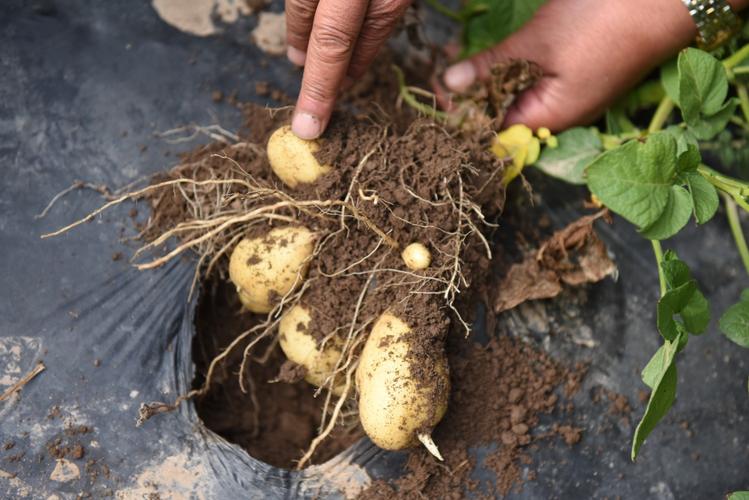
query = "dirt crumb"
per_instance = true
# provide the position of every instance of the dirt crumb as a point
(570, 434)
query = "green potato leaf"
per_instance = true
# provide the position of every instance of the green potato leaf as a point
(683, 307)
(660, 375)
(706, 127)
(739, 495)
(577, 148)
(703, 84)
(704, 197)
(654, 367)
(671, 304)
(495, 20)
(688, 159)
(675, 270)
(674, 217)
(735, 321)
(684, 138)
(635, 180)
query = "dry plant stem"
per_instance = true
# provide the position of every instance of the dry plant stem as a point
(134, 195)
(260, 213)
(39, 368)
(355, 177)
(103, 190)
(215, 132)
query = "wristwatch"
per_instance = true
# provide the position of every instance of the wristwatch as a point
(715, 20)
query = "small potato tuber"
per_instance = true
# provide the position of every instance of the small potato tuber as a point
(301, 347)
(416, 256)
(270, 266)
(397, 406)
(292, 159)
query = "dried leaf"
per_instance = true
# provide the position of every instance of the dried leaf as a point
(572, 256)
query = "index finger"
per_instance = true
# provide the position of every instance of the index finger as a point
(332, 40)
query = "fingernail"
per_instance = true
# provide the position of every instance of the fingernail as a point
(306, 126)
(459, 77)
(296, 56)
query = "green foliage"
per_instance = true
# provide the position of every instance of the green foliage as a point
(735, 321)
(698, 84)
(487, 22)
(660, 375)
(655, 179)
(704, 197)
(577, 148)
(644, 182)
(635, 179)
(682, 310)
(739, 495)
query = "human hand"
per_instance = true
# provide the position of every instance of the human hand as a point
(335, 40)
(590, 51)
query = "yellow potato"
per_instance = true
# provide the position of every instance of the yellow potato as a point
(269, 266)
(395, 408)
(292, 159)
(416, 256)
(301, 347)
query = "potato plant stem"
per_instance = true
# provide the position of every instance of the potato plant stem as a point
(736, 58)
(738, 234)
(736, 188)
(743, 99)
(662, 112)
(658, 251)
(411, 100)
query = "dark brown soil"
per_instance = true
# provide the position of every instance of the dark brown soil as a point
(282, 421)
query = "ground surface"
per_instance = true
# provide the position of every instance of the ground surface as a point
(83, 87)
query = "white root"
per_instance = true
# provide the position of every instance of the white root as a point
(430, 445)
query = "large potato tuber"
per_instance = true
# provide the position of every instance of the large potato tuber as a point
(396, 407)
(301, 347)
(269, 266)
(292, 159)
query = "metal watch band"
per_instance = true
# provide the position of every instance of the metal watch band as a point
(715, 20)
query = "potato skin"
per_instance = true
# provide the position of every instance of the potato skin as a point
(393, 405)
(300, 346)
(268, 265)
(416, 256)
(292, 159)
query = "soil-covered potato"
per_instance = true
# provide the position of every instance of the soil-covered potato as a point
(270, 266)
(400, 403)
(300, 346)
(293, 159)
